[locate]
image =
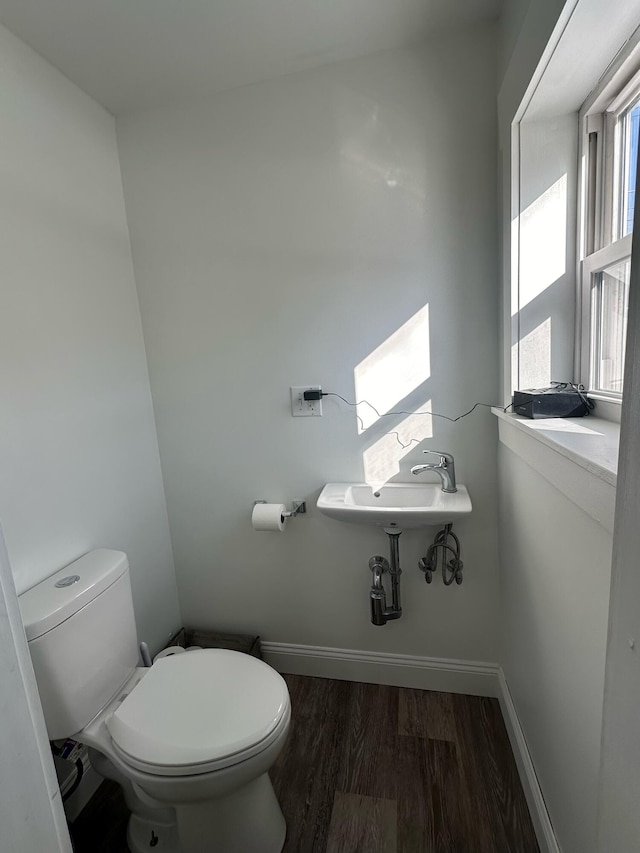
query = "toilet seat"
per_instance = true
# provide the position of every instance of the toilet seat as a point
(199, 712)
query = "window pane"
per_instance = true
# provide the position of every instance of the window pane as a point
(611, 299)
(631, 123)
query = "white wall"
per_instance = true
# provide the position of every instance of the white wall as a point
(511, 21)
(281, 233)
(31, 813)
(79, 455)
(555, 574)
(525, 30)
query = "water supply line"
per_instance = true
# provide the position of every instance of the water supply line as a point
(452, 568)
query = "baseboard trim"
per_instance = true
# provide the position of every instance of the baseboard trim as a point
(443, 674)
(547, 840)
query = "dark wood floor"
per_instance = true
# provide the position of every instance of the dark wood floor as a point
(375, 769)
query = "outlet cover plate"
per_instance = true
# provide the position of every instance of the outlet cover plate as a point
(301, 408)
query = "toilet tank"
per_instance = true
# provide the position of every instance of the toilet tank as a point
(81, 632)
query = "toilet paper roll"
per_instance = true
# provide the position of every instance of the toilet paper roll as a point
(165, 653)
(268, 517)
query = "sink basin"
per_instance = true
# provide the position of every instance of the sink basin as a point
(394, 505)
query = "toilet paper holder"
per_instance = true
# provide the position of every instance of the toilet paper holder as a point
(297, 508)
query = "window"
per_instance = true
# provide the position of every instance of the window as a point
(629, 124)
(610, 295)
(611, 128)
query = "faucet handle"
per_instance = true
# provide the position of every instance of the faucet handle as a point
(445, 458)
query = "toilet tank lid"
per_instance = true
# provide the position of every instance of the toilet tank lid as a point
(56, 598)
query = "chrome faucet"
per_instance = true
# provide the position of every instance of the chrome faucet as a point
(445, 469)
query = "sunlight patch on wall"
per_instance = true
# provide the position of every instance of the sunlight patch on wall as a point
(394, 369)
(543, 243)
(382, 459)
(535, 357)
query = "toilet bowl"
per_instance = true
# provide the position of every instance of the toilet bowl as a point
(197, 733)
(191, 739)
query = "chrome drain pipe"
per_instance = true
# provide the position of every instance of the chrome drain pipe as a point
(378, 566)
(380, 613)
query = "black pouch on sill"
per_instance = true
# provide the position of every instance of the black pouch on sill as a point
(561, 400)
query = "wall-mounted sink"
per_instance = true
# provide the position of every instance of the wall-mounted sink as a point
(394, 505)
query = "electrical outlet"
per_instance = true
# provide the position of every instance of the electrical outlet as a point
(301, 408)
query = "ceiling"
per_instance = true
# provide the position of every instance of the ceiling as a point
(133, 54)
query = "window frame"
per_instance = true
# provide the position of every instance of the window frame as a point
(600, 180)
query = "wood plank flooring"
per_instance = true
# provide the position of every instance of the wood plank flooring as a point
(374, 769)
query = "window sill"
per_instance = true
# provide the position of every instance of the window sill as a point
(578, 456)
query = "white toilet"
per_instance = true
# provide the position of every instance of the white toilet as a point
(190, 739)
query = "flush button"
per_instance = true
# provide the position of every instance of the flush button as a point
(68, 581)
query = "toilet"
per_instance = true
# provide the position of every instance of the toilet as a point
(190, 739)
